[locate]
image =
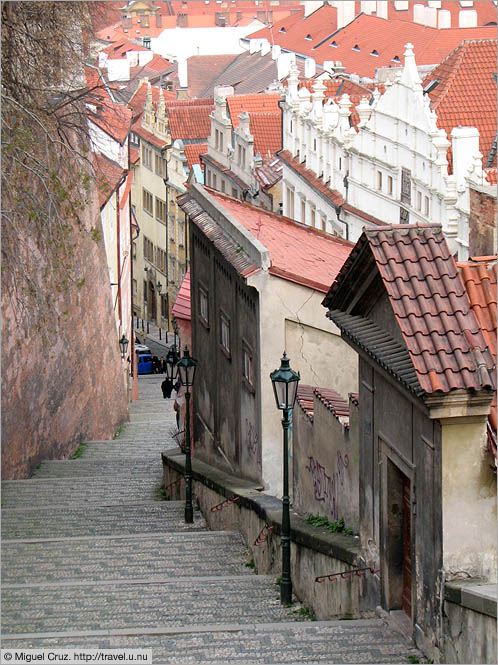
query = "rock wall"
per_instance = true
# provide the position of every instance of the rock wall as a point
(66, 384)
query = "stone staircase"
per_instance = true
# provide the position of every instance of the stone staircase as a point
(93, 557)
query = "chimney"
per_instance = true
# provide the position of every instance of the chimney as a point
(467, 18)
(244, 123)
(309, 68)
(418, 14)
(275, 51)
(363, 109)
(183, 72)
(465, 144)
(284, 64)
(265, 47)
(400, 5)
(435, 3)
(430, 17)
(444, 19)
(254, 46)
(159, 21)
(382, 9)
(368, 6)
(345, 13)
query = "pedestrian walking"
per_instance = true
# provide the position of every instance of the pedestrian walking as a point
(155, 365)
(167, 387)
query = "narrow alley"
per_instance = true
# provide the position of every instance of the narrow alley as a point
(94, 557)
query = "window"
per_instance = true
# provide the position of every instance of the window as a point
(134, 138)
(225, 333)
(333, 44)
(172, 269)
(148, 250)
(148, 202)
(161, 260)
(160, 165)
(172, 231)
(419, 200)
(389, 185)
(221, 141)
(303, 211)
(355, 48)
(234, 192)
(147, 157)
(314, 145)
(340, 163)
(208, 178)
(203, 306)
(313, 216)
(135, 287)
(214, 181)
(181, 234)
(248, 366)
(160, 210)
(379, 180)
(164, 307)
(426, 206)
(145, 291)
(324, 222)
(223, 186)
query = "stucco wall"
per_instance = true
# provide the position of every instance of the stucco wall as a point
(293, 319)
(469, 501)
(326, 466)
(67, 384)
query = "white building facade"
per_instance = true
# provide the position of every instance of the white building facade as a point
(391, 169)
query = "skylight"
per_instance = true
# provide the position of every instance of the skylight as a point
(334, 44)
(282, 29)
(308, 37)
(396, 59)
(374, 52)
(355, 48)
(431, 85)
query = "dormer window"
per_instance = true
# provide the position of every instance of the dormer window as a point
(308, 37)
(282, 29)
(355, 48)
(334, 44)
(374, 53)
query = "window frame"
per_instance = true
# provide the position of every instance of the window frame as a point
(225, 334)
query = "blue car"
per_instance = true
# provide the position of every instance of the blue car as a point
(144, 363)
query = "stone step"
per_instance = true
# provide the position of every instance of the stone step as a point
(140, 447)
(179, 603)
(82, 467)
(72, 522)
(286, 643)
(104, 490)
(131, 557)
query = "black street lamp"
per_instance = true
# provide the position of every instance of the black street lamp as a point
(172, 364)
(285, 381)
(186, 369)
(123, 345)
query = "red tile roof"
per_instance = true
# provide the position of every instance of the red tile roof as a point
(372, 34)
(182, 308)
(120, 48)
(442, 334)
(298, 253)
(267, 131)
(317, 183)
(298, 34)
(491, 176)
(193, 152)
(261, 103)
(479, 278)
(114, 119)
(148, 136)
(269, 173)
(108, 175)
(331, 399)
(466, 92)
(190, 121)
(203, 69)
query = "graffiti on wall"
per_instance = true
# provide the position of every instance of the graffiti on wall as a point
(326, 486)
(251, 438)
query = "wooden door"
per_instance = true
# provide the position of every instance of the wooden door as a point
(407, 549)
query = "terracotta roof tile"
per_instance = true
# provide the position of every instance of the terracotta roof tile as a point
(259, 103)
(306, 400)
(388, 39)
(114, 119)
(442, 334)
(270, 173)
(491, 176)
(108, 175)
(298, 253)
(248, 73)
(182, 307)
(466, 92)
(267, 131)
(334, 403)
(190, 122)
(204, 69)
(148, 136)
(479, 278)
(121, 47)
(193, 152)
(228, 172)
(317, 183)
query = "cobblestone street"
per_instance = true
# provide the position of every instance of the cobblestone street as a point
(94, 557)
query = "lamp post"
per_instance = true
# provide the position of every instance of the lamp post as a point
(186, 369)
(285, 381)
(172, 364)
(123, 345)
